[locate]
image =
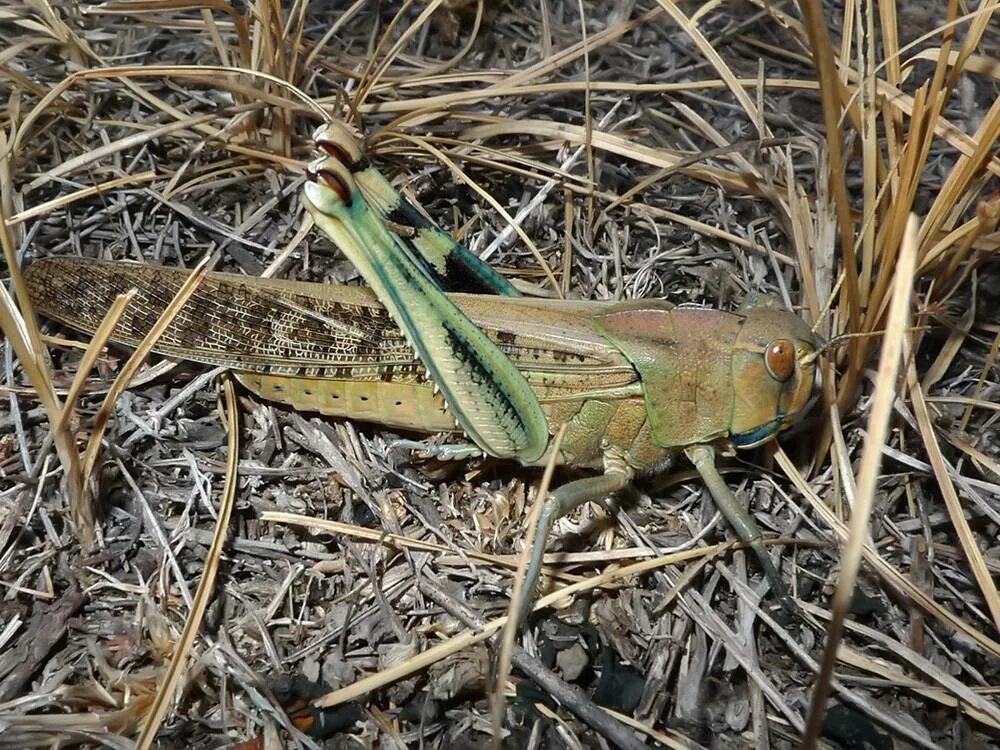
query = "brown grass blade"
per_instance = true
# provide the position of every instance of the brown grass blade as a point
(21, 329)
(88, 192)
(134, 363)
(206, 584)
(968, 541)
(830, 87)
(91, 354)
(612, 143)
(949, 685)
(141, 7)
(468, 638)
(377, 69)
(871, 459)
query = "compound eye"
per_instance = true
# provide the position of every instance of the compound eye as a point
(780, 359)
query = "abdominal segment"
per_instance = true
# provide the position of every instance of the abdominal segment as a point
(404, 406)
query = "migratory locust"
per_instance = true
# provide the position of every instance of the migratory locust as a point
(439, 342)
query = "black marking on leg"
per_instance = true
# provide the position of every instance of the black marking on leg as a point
(460, 272)
(404, 213)
(463, 278)
(359, 166)
(481, 375)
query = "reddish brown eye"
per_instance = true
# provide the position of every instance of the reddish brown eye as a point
(780, 359)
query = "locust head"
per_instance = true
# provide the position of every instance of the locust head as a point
(773, 369)
(711, 376)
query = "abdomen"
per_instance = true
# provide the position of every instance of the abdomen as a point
(397, 405)
(592, 425)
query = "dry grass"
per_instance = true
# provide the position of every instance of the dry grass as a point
(596, 150)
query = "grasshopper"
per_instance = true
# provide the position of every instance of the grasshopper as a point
(438, 342)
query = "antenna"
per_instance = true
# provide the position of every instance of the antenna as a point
(837, 340)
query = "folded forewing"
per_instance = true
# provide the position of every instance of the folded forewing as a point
(244, 323)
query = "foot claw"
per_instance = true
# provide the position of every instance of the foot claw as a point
(442, 452)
